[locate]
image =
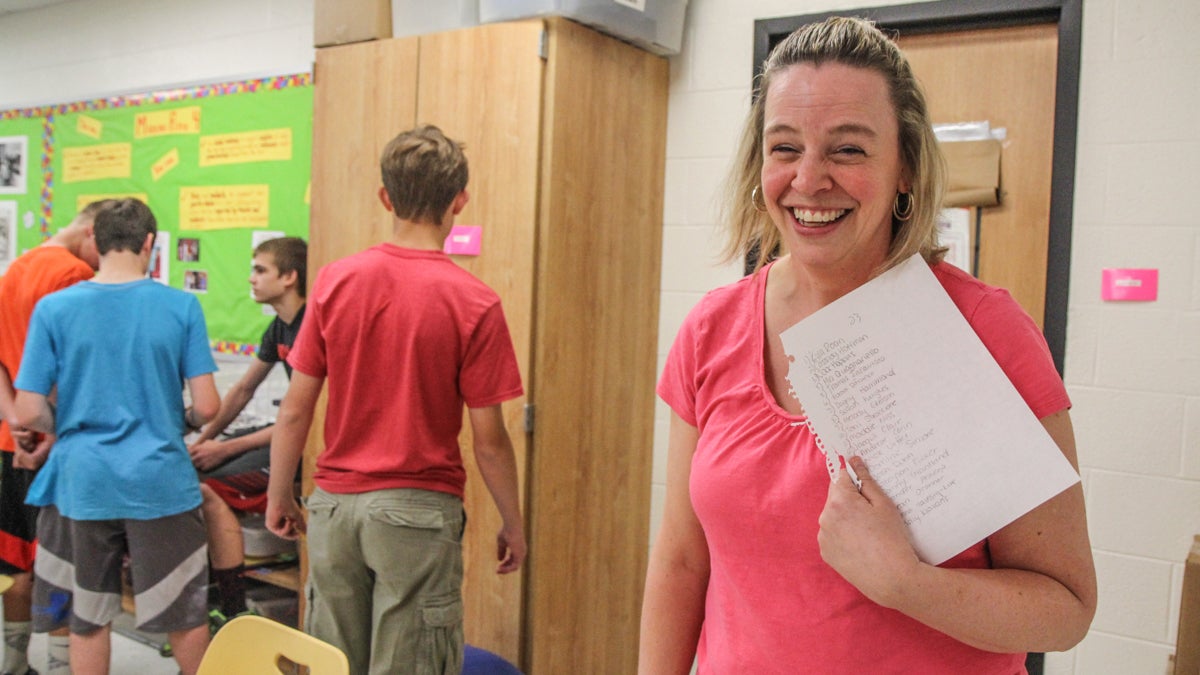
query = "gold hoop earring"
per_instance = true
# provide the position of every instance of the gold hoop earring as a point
(756, 199)
(903, 213)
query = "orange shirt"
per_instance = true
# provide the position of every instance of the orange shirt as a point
(35, 274)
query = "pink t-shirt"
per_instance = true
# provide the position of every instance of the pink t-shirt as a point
(405, 338)
(759, 483)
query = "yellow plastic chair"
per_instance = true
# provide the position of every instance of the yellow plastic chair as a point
(255, 645)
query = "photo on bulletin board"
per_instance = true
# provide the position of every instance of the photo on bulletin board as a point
(14, 164)
(188, 250)
(8, 234)
(160, 262)
(195, 281)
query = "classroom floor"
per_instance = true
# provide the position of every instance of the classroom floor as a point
(128, 656)
(136, 652)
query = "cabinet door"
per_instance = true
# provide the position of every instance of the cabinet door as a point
(365, 94)
(483, 87)
(350, 129)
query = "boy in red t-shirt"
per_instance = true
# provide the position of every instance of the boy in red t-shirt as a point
(404, 338)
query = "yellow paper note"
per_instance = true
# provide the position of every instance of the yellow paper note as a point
(164, 164)
(93, 162)
(89, 126)
(164, 122)
(221, 207)
(253, 146)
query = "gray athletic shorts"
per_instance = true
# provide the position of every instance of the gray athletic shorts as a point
(77, 572)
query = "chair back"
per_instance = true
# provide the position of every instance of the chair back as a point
(256, 645)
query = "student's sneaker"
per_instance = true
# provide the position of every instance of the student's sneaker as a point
(217, 619)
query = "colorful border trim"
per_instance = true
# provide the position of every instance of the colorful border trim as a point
(133, 100)
(47, 175)
(239, 348)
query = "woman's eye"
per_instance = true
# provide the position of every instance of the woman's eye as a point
(784, 149)
(849, 150)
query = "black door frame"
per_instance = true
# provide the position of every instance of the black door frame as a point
(957, 15)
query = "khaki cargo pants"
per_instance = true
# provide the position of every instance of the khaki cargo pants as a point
(385, 579)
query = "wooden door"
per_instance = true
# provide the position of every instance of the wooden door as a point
(349, 132)
(483, 87)
(1006, 76)
(599, 253)
(364, 94)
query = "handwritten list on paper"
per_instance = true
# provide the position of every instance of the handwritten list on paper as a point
(893, 373)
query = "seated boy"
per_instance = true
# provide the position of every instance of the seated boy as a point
(234, 470)
(117, 350)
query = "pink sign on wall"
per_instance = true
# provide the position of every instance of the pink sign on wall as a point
(1129, 284)
(464, 240)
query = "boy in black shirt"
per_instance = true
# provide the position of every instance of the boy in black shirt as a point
(234, 470)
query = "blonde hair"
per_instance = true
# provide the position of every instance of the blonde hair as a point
(858, 43)
(423, 171)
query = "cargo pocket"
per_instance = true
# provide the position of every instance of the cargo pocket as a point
(441, 637)
(402, 514)
(318, 504)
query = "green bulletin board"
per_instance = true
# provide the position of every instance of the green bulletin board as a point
(222, 167)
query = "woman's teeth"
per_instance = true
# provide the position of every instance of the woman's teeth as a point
(817, 218)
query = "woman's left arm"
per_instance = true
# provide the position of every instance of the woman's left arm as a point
(1039, 595)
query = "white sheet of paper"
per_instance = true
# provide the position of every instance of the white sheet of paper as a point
(893, 373)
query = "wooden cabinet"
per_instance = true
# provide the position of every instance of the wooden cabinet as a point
(565, 132)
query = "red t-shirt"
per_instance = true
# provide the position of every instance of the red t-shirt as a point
(30, 277)
(405, 339)
(759, 482)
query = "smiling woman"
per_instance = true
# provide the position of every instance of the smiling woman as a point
(761, 562)
(831, 169)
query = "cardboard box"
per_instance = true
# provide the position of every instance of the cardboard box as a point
(337, 22)
(1187, 644)
(974, 173)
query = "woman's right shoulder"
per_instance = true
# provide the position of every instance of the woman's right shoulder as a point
(735, 300)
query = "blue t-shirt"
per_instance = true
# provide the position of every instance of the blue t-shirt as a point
(120, 355)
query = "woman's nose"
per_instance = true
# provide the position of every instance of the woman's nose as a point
(812, 174)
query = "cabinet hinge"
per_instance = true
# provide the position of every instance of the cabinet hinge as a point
(529, 419)
(542, 45)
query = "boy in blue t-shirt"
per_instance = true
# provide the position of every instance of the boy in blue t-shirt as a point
(117, 351)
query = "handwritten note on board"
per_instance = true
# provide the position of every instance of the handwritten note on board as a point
(893, 373)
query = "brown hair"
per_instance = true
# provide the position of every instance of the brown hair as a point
(290, 254)
(423, 171)
(123, 226)
(852, 42)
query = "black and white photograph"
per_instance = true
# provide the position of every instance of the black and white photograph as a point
(14, 164)
(8, 234)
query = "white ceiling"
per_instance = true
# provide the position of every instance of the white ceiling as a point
(11, 6)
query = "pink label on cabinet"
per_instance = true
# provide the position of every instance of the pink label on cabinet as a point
(464, 240)
(1129, 284)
